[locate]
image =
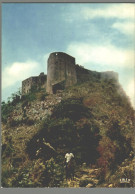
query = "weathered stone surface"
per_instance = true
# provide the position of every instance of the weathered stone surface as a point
(35, 81)
(61, 72)
(37, 110)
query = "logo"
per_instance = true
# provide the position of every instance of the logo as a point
(124, 180)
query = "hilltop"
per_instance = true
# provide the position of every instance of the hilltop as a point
(94, 119)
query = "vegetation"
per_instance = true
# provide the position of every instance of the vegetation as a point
(94, 120)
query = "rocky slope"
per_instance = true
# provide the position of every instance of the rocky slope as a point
(93, 119)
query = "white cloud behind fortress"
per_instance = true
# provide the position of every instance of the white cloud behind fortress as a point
(99, 35)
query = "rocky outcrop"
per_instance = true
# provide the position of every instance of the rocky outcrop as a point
(37, 110)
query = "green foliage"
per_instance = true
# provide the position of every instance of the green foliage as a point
(7, 148)
(125, 170)
(35, 174)
(6, 110)
(34, 94)
(29, 97)
(65, 132)
(88, 133)
(93, 121)
(42, 96)
(123, 145)
(113, 148)
(71, 108)
(54, 173)
(5, 180)
(28, 176)
(26, 121)
(107, 149)
(59, 133)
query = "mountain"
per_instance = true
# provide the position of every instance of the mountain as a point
(93, 119)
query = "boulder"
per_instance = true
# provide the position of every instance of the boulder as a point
(90, 185)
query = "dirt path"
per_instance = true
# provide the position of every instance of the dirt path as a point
(84, 177)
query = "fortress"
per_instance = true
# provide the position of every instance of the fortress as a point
(62, 72)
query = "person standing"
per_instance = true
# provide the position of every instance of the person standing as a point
(68, 157)
(69, 166)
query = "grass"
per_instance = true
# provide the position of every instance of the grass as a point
(85, 113)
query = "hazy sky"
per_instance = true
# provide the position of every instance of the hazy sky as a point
(99, 35)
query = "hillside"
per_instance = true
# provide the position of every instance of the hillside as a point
(92, 119)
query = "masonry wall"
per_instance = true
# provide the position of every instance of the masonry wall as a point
(36, 81)
(27, 84)
(60, 69)
(62, 72)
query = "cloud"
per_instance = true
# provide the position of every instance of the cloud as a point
(130, 91)
(106, 11)
(121, 11)
(125, 27)
(18, 71)
(104, 58)
(105, 55)
(120, 16)
(45, 59)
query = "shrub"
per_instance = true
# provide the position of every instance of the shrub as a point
(107, 150)
(7, 148)
(72, 109)
(42, 95)
(89, 137)
(6, 180)
(35, 174)
(26, 121)
(6, 110)
(13, 123)
(53, 173)
(123, 145)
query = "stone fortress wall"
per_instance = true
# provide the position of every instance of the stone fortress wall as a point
(35, 81)
(62, 72)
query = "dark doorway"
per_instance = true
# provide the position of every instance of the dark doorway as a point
(58, 86)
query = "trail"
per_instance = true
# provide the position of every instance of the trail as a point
(84, 177)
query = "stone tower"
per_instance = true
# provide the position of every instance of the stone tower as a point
(61, 72)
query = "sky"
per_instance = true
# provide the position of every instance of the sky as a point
(99, 35)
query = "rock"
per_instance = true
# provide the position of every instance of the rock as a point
(85, 177)
(89, 185)
(84, 182)
(110, 186)
(95, 181)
